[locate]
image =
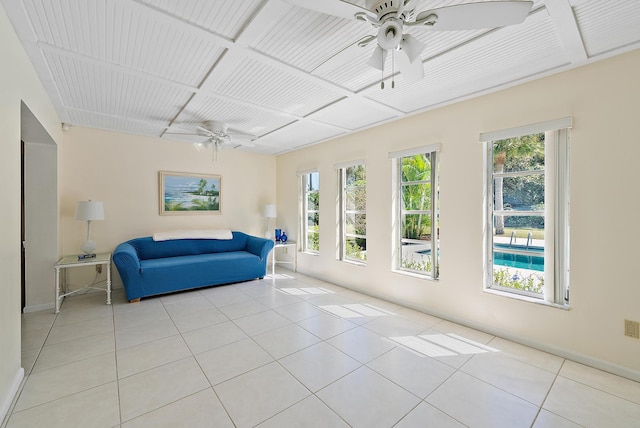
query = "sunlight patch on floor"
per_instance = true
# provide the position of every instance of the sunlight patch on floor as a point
(442, 345)
(356, 310)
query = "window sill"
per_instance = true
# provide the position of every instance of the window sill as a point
(414, 275)
(352, 262)
(526, 299)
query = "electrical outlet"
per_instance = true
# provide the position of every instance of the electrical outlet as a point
(632, 329)
(99, 268)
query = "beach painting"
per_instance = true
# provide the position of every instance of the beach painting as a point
(185, 193)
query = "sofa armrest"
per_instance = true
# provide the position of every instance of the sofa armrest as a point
(126, 258)
(259, 246)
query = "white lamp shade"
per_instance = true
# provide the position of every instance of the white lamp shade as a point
(270, 211)
(89, 210)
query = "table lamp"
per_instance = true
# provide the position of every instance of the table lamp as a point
(269, 212)
(89, 211)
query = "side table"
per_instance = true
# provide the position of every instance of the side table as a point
(68, 262)
(279, 245)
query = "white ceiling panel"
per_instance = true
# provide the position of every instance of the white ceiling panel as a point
(223, 17)
(268, 86)
(115, 123)
(124, 36)
(306, 39)
(608, 25)
(352, 114)
(281, 72)
(86, 86)
(300, 134)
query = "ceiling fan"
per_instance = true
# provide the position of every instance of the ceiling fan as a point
(390, 17)
(218, 135)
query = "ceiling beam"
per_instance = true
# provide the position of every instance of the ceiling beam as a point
(561, 14)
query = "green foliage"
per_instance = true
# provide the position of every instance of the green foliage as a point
(416, 195)
(425, 264)
(524, 153)
(354, 251)
(356, 199)
(313, 238)
(202, 185)
(513, 151)
(173, 206)
(210, 204)
(533, 283)
(524, 233)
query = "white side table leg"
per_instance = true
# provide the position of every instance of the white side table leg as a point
(109, 283)
(57, 290)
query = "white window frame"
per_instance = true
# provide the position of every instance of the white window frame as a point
(433, 151)
(343, 235)
(305, 177)
(556, 212)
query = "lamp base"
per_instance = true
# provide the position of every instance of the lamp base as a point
(88, 247)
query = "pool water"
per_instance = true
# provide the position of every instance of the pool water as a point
(535, 261)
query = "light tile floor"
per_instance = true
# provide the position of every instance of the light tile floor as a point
(295, 353)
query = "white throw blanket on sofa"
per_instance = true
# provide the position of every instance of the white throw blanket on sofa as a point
(193, 234)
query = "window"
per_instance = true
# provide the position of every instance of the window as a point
(418, 231)
(527, 213)
(310, 212)
(353, 208)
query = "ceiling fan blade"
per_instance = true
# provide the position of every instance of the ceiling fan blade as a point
(343, 57)
(239, 134)
(204, 131)
(378, 58)
(339, 8)
(182, 133)
(242, 143)
(411, 71)
(474, 16)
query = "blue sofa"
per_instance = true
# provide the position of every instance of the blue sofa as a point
(149, 267)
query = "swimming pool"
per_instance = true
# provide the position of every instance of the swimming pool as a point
(535, 261)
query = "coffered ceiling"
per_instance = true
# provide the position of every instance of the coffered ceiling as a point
(281, 72)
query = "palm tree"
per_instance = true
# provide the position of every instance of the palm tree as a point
(201, 185)
(511, 148)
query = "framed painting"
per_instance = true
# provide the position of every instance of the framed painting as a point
(185, 193)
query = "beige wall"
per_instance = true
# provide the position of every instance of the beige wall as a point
(603, 100)
(18, 82)
(121, 170)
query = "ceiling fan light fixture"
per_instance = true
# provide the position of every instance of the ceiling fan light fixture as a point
(412, 47)
(390, 34)
(378, 58)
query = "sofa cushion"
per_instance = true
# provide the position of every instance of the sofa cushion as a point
(183, 272)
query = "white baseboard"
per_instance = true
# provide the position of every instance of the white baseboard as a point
(7, 401)
(36, 308)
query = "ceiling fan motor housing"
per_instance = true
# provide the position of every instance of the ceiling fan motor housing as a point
(387, 8)
(216, 126)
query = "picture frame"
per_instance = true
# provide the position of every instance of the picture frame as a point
(183, 193)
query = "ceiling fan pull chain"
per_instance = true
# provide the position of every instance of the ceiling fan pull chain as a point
(382, 74)
(393, 62)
